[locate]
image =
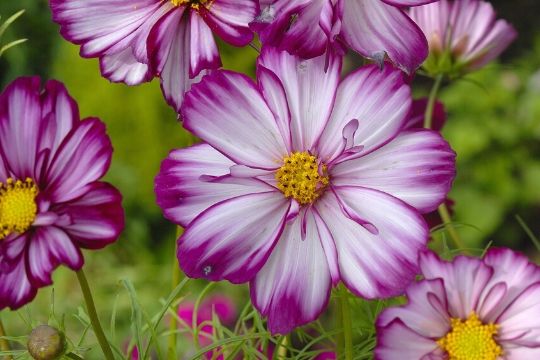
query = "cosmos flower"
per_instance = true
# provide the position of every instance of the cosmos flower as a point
(303, 180)
(463, 35)
(466, 309)
(138, 39)
(373, 28)
(51, 202)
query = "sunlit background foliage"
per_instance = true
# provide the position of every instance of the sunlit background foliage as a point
(494, 126)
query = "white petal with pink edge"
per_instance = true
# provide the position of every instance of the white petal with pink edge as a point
(230, 18)
(95, 219)
(169, 55)
(123, 67)
(396, 341)
(20, 123)
(464, 279)
(233, 239)
(372, 28)
(378, 250)
(426, 310)
(193, 179)
(294, 285)
(227, 111)
(310, 86)
(417, 167)
(48, 248)
(203, 53)
(380, 101)
(83, 157)
(103, 27)
(15, 287)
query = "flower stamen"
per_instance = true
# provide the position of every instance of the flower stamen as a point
(195, 4)
(18, 207)
(302, 177)
(471, 340)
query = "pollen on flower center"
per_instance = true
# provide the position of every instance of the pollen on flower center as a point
(302, 177)
(17, 206)
(471, 340)
(193, 3)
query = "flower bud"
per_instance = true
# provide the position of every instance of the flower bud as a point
(45, 343)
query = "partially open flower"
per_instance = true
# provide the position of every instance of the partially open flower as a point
(463, 35)
(52, 203)
(466, 309)
(46, 343)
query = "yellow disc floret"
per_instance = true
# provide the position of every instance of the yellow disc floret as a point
(471, 340)
(17, 206)
(193, 3)
(302, 177)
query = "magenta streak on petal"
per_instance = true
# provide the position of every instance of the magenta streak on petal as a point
(203, 52)
(350, 213)
(329, 246)
(232, 239)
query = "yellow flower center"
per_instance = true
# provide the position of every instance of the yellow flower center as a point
(302, 177)
(17, 206)
(193, 3)
(471, 340)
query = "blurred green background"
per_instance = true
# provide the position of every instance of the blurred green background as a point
(494, 126)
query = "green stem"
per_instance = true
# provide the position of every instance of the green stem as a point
(346, 322)
(4, 344)
(173, 325)
(428, 118)
(428, 123)
(92, 314)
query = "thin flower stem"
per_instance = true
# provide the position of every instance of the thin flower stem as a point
(92, 314)
(428, 123)
(428, 118)
(4, 344)
(346, 322)
(173, 325)
(447, 221)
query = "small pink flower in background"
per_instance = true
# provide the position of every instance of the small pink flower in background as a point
(463, 35)
(222, 306)
(329, 355)
(136, 40)
(303, 180)
(373, 28)
(52, 203)
(466, 309)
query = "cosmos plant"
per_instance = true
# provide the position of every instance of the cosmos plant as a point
(373, 28)
(303, 163)
(466, 309)
(137, 40)
(52, 203)
(305, 182)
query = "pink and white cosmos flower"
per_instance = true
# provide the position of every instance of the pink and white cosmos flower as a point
(373, 28)
(52, 203)
(303, 180)
(138, 39)
(466, 309)
(465, 30)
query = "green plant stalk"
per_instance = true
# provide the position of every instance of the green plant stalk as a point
(428, 124)
(73, 356)
(4, 344)
(173, 325)
(92, 314)
(346, 322)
